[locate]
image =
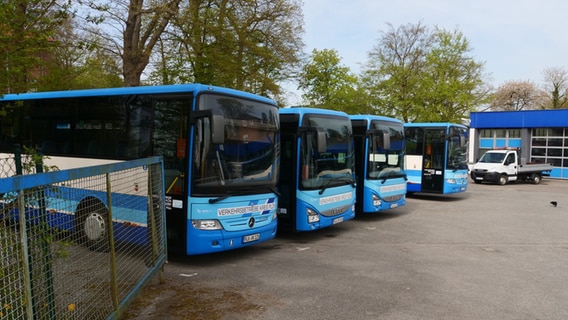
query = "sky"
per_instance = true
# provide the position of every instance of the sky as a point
(516, 39)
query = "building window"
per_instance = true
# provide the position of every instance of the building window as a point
(550, 145)
(499, 138)
(501, 133)
(485, 133)
(514, 133)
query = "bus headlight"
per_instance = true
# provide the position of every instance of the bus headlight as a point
(376, 200)
(451, 181)
(312, 216)
(206, 224)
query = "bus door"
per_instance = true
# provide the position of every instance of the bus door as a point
(434, 160)
(170, 142)
(176, 208)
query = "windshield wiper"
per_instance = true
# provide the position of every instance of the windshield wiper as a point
(392, 175)
(327, 182)
(223, 197)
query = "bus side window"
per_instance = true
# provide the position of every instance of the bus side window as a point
(93, 148)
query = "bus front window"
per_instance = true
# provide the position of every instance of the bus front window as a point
(385, 161)
(247, 155)
(334, 166)
(457, 149)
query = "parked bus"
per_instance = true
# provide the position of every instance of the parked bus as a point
(436, 157)
(316, 182)
(379, 158)
(219, 147)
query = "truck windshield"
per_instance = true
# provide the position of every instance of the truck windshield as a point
(491, 157)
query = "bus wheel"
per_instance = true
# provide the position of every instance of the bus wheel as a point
(535, 178)
(503, 179)
(93, 225)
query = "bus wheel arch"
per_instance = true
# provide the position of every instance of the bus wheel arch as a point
(92, 224)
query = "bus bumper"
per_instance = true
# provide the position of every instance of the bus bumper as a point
(202, 242)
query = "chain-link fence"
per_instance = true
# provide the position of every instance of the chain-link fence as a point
(63, 258)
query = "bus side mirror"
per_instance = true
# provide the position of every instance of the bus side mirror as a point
(320, 135)
(217, 120)
(217, 127)
(375, 134)
(321, 139)
(386, 140)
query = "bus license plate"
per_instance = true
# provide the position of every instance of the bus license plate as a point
(337, 220)
(394, 205)
(251, 237)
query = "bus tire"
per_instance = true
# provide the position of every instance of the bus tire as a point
(503, 179)
(92, 225)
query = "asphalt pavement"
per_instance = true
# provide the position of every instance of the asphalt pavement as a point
(493, 252)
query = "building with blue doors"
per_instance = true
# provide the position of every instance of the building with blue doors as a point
(541, 135)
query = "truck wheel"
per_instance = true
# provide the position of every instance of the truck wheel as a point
(503, 179)
(535, 178)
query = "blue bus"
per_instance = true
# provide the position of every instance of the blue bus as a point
(436, 157)
(379, 158)
(316, 183)
(219, 148)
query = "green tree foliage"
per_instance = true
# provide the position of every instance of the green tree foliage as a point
(248, 45)
(392, 74)
(417, 74)
(78, 63)
(27, 40)
(329, 84)
(453, 81)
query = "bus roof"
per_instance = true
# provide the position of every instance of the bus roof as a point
(162, 89)
(370, 117)
(309, 110)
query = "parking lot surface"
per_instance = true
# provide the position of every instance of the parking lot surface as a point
(493, 252)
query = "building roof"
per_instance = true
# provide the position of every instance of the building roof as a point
(520, 119)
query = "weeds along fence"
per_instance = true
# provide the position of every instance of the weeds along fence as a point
(79, 243)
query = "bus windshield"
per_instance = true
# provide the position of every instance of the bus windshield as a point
(248, 153)
(457, 148)
(334, 166)
(386, 161)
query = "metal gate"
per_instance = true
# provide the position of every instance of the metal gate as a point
(79, 243)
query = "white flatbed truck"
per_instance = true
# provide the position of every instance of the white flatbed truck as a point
(504, 165)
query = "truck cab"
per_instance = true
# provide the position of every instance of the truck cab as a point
(504, 165)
